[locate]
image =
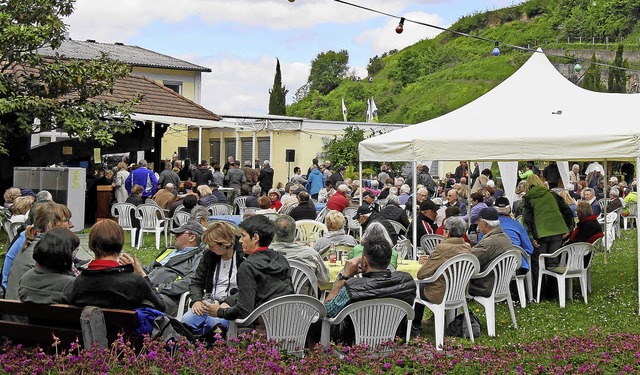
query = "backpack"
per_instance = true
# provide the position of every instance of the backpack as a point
(458, 326)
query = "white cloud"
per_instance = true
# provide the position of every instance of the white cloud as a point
(385, 38)
(240, 86)
(122, 19)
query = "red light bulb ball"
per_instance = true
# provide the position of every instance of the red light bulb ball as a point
(399, 29)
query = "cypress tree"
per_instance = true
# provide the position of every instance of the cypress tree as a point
(618, 77)
(278, 94)
(592, 78)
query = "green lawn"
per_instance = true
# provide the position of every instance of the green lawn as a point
(613, 304)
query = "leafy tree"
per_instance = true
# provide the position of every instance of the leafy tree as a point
(52, 93)
(592, 78)
(278, 94)
(328, 69)
(344, 151)
(618, 77)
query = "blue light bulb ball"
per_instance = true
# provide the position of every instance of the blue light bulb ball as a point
(496, 51)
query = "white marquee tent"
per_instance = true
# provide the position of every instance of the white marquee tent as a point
(536, 114)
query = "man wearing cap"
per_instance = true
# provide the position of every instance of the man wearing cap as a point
(251, 177)
(366, 215)
(171, 272)
(369, 199)
(514, 229)
(426, 220)
(494, 243)
(265, 178)
(595, 178)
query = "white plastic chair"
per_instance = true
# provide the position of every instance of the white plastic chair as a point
(183, 305)
(353, 226)
(122, 212)
(152, 220)
(217, 209)
(309, 230)
(503, 268)
(521, 279)
(633, 214)
(457, 273)
(428, 242)
(240, 202)
(303, 278)
(375, 321)
(571, 266)
(403, 248)
(322, 214)
(13, 230)
(287, 320)
(398, 227)
(286, 210)
(271, 216)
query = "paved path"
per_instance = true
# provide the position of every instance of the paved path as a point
(83, 251)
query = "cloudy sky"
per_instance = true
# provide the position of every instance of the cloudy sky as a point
(241, 39)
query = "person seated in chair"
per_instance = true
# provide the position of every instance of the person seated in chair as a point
(264, 275)
(305, 210)
(588, 228)
(171, 272)
(493, 244)
(453, 244)
(377, 281)
(216, 272)
(284, 243)
(335, 235)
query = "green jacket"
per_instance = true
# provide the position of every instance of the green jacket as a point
(541, 214)
(357, 251)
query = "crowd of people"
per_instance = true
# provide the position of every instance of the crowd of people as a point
(227, 274)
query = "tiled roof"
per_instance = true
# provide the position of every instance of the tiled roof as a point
(136, 56)
(157, 99)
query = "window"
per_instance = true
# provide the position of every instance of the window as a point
(264, 149)
(44, 140)
(173, 85)
(229, 148)
(247, 149)
(214, 152)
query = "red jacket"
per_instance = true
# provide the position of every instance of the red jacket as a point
(337, 202)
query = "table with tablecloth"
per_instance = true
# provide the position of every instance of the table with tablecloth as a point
(234, 219)
(409, 266)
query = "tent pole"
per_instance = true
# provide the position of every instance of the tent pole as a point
(414, 211)
(361, 189)
(638, 236)
(604, 193)
(469, 199)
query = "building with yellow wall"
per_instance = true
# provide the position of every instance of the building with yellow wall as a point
(181, 76)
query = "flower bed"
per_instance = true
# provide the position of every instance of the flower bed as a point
(593, 353)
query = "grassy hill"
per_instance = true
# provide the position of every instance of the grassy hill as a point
(433, 77)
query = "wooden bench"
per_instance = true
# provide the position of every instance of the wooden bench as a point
(89, 324)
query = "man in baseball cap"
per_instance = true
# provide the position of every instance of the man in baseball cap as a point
(171, 272)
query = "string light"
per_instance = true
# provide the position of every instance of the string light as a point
(496, 49)
(400, 27)
(577, 68)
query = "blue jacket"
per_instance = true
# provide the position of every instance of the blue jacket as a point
(518, 235)
(145, 178)
(316, 181)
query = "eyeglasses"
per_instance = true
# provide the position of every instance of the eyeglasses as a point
(422, 195)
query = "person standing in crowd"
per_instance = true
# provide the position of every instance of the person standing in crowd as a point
(251, 178)
(119, 182)
(203, 175)
(168, 176)
(544, 222)
(265, 178)
(315, 182)
(186, 173)
(144, 177)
